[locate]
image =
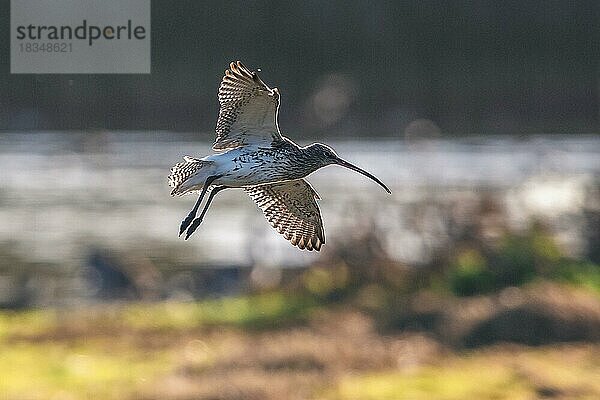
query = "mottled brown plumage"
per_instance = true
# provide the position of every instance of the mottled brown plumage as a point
(291, 208)
(248, 111)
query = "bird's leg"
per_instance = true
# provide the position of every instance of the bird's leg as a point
(196, 223)
(192, 214)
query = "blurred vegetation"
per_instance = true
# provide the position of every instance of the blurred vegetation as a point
(261, 311)
(504, 373)
(517, 260)
(106, 352)
(471, 267)
(205, 350)
(335, 331)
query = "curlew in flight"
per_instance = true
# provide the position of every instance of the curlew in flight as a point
(254, 156)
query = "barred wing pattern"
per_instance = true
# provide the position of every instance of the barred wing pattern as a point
(248, 111)
(291, 208)
(182, 171)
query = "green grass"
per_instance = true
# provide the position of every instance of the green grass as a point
(156, 350)
(84, 370)
(100, 353)
(26, 322)
(259, 312)
(581, 274)
(472, 382)
(497, 375)
(251, 312)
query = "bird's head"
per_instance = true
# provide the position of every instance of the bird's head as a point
(324, 155)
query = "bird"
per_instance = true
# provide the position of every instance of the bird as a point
(253, 155)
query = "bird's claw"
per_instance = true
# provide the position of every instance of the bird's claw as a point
(185, 223)
(195, 224)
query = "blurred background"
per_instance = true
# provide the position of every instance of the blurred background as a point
(477, 278)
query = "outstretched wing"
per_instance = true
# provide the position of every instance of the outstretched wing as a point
(248, 111)
(291, 208)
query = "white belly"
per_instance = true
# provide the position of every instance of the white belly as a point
(253, 174)
(242, 168)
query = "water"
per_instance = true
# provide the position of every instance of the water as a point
(62, 194)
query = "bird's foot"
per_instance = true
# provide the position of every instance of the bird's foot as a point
(195, 224)
(185, 223)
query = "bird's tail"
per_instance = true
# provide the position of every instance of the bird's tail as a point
(181, 172)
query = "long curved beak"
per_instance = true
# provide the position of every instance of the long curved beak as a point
(353, 167)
